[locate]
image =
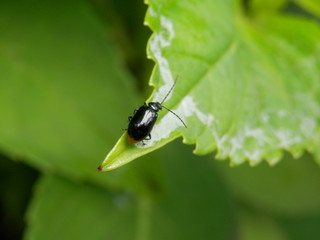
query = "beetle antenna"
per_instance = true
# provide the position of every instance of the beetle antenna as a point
(175, 115)
(170, 89)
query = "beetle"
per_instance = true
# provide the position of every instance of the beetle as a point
(143, 120)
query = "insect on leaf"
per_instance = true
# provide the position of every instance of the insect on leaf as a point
(248, 86)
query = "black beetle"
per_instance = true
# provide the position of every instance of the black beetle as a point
(143, 120)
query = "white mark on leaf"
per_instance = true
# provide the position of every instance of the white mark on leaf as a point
(161, 40)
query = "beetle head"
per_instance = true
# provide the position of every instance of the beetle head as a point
(156, 106)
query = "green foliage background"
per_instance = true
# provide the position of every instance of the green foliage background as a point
(70, 74)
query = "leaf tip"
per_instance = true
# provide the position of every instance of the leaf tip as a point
(99, 168)
(110, 163)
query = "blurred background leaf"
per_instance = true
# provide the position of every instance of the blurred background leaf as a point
(187, 192)
(310, 5)
(278, 190)
(63, 87)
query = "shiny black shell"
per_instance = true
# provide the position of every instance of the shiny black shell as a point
(142, 122)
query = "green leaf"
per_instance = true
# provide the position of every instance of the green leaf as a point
(248, 87)
(183, 206)
(260, 6)
(306, 227)
(63, 88)
(254, 226)
(78, 211)
(292, 188)
(311, 5)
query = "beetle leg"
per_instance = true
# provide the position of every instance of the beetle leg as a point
(129, 118)
(148, 137)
